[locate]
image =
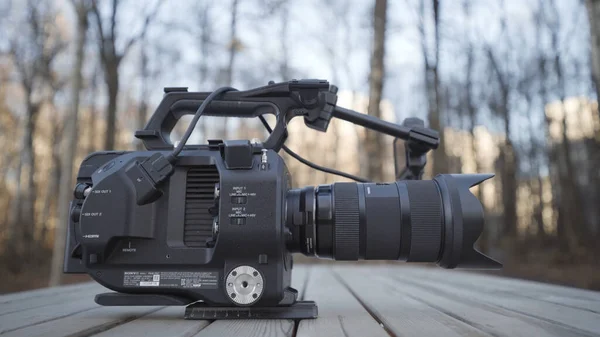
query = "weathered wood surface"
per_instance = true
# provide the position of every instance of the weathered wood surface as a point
(354, 300)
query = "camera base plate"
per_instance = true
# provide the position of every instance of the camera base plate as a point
(298, 310)
(201, 310)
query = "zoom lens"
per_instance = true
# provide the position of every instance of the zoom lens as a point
(435, 220)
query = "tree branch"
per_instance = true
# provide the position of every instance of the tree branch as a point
(100, 28)
(421, 28)
(113, 21)
(496, 68)
(142, 34)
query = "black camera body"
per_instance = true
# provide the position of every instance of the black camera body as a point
(170, 246)
(213, 226)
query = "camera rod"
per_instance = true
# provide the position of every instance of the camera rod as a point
(420, 138)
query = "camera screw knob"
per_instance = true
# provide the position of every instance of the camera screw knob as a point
(244, 285)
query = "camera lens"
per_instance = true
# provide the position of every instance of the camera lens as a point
(435, 220)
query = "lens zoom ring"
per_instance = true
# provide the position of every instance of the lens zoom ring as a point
(426, 221)
(346, 221)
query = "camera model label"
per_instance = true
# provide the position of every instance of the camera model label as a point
(171, 279)
(240, 212)
(241, 191)
(104, 191)
(239, 198)
(91, 214)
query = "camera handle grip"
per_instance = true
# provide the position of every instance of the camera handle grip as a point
(312, 99)
(156, 135)
(315, 100)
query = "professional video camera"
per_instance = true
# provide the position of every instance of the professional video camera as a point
(213, 226)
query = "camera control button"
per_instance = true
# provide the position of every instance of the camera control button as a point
(237, 221)
(239, 200)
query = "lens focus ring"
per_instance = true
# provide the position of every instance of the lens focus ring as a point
(426, 221)
(346, 220)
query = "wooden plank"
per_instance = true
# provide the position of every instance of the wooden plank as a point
(491, 319)
(592, 306)
(575, 319)
(85, 323)
(567, 296)
(402, 314)
(340, 314)
(45, 292)
(53, 298)
(165, 322)
(500, 286)
(578, 298)
(250, 328)
(20, 319)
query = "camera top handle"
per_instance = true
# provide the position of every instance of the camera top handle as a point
(315, 100)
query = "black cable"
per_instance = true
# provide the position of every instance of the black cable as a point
(311, 164)
(173, 155)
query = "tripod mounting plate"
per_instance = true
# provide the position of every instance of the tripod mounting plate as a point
(202, 310)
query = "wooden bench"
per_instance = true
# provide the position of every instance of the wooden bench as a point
(354, 300)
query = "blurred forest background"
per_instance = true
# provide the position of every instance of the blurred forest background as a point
(512, 85)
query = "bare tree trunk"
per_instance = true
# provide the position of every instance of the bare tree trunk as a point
(143, 107)
(233, 42)
(27, 217)
(93, 111)
(205, 25)
(284, 69)
(593, 9)
(54, 178)
(536, 148)
(69, 147)
(374, 140)
(536, 186)
(233, 48)
(509, 175)
(13, 232)
(553, 164)
(435, 116)
(472, 114)
(536, 222)
(551, 152)
(508, 156)
(432, 86)
(508, 160)
(576, 226)
(9, 131)
(205, 41)
(111, 77)
(111, 59)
